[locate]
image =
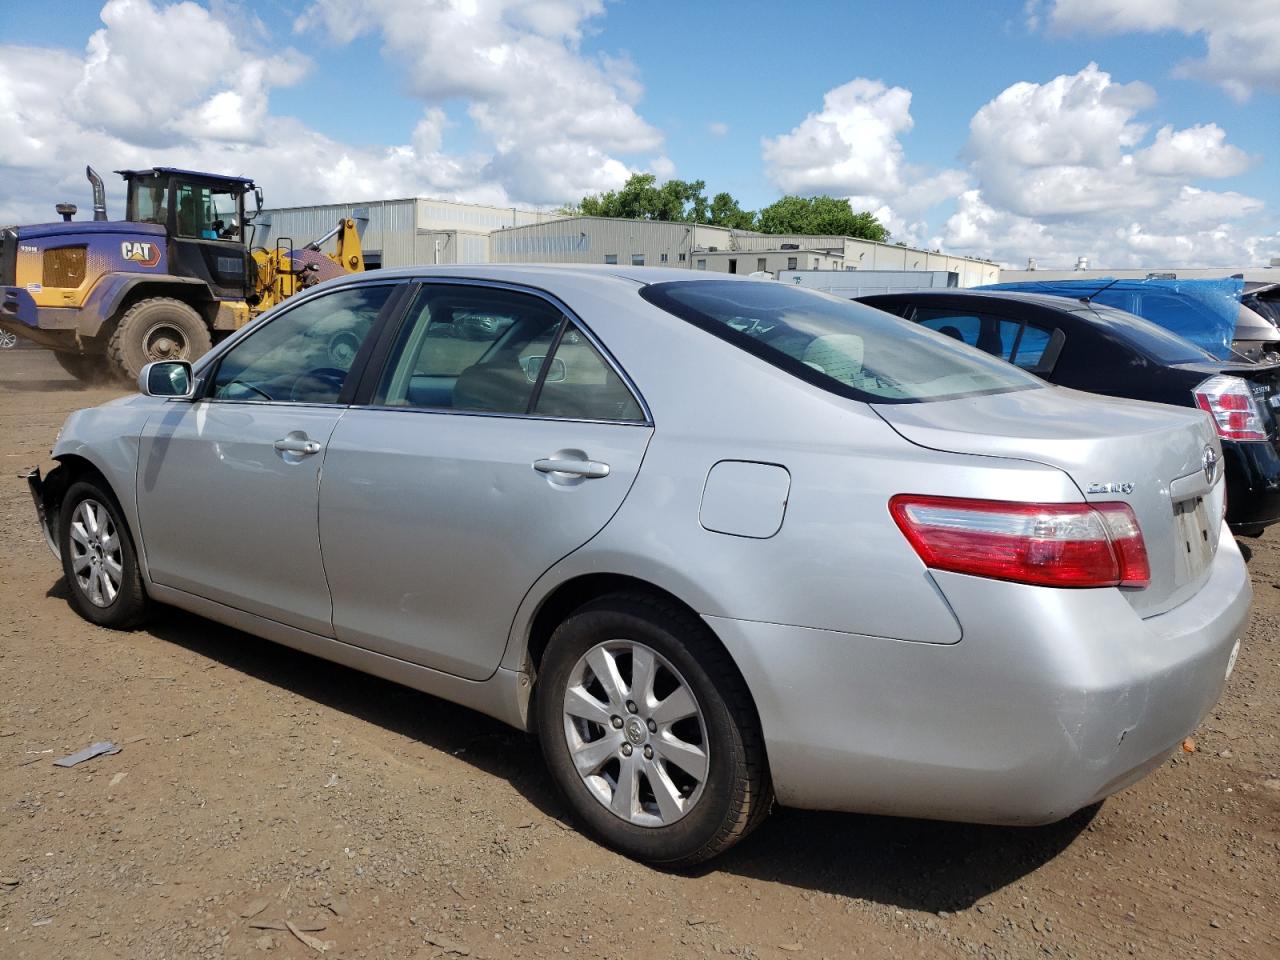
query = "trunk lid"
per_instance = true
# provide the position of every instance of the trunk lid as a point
(1103, 444)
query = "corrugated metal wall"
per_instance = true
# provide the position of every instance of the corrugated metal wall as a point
(405, 232)
(595, 240)
(389, 232)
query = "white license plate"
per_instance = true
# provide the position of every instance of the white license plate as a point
(1195, 543)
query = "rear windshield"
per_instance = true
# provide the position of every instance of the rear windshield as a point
(843, 347)
(1154, 342)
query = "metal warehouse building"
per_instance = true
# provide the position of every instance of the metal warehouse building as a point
(401, 233)
(421, 230)
(702, 247)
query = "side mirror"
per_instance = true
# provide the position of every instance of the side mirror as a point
(167, 378)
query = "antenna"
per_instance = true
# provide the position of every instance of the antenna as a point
(1088, 298)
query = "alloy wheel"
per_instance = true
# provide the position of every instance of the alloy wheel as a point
(96, 559)
(636, 733)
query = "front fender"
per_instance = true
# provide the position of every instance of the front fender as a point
(104, 440)
(112, 289)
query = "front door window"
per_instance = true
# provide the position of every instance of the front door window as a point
(303, 355)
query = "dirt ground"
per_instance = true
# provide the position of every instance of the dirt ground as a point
(258, 785)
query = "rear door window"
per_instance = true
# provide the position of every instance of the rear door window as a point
(579, 384)
(1032, 347)
(477, 349)
(1022, 344)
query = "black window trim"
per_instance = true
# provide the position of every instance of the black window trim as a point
(372, 374)
(207, 374)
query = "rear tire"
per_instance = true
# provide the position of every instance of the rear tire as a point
(682, 810)
(160, 328)
(99, 559)
(85, 367)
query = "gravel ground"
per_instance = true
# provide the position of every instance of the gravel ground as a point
(258, 786)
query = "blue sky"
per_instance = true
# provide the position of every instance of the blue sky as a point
(539, 101)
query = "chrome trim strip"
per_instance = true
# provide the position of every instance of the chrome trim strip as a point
(449, 411)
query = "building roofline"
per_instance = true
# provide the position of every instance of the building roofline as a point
(668, 223)
(383, 202)
(755, 234)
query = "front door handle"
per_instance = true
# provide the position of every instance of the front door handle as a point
(302, 445)
(587, 469)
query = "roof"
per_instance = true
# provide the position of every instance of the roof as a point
(1045, 300)
(186, 173)
(536, 273)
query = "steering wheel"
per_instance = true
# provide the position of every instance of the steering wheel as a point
(328, 378)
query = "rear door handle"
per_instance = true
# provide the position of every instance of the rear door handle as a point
(587, 469)
(297, 445)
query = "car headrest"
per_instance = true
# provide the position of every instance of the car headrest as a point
(838, 355)
(497, 384)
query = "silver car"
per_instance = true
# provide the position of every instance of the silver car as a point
(717, 541)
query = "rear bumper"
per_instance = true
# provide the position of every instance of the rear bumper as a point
(1253, 485)
(1052, 700)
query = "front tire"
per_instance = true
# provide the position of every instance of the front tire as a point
(649, 731)
(99, 558)
(160, 328)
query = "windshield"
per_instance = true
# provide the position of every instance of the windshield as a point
(843, 347)
(1149, 339)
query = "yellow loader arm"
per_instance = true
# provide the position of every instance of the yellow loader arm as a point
(284, 271)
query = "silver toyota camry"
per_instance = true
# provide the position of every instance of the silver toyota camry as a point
(717, 541)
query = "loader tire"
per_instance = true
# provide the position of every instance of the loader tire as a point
(160, 328)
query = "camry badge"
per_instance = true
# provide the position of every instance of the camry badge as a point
(1114, 487)
(1210, 463)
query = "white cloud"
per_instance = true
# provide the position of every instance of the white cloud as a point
(155, 72)
(1061, 171)
(1241, 36)
(718, 128)
(183, 85)
(1055, 170)
(1059, 147)
(560, 121)
(849, 147)
(1182, 236)
(1195, 209)
(1199, 151)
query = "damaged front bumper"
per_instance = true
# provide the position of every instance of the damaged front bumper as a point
(36, 484)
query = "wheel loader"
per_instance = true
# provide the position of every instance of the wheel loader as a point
(180, 271)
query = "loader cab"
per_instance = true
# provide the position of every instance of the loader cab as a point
(204, 219)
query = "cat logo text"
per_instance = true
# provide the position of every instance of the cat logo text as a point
(141, 252)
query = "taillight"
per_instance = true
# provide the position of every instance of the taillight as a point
(1047, 544)
(1235, 413)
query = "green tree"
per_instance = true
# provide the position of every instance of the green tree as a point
(814, 216)
(725, 212)
(640, 198)
(685, 201)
